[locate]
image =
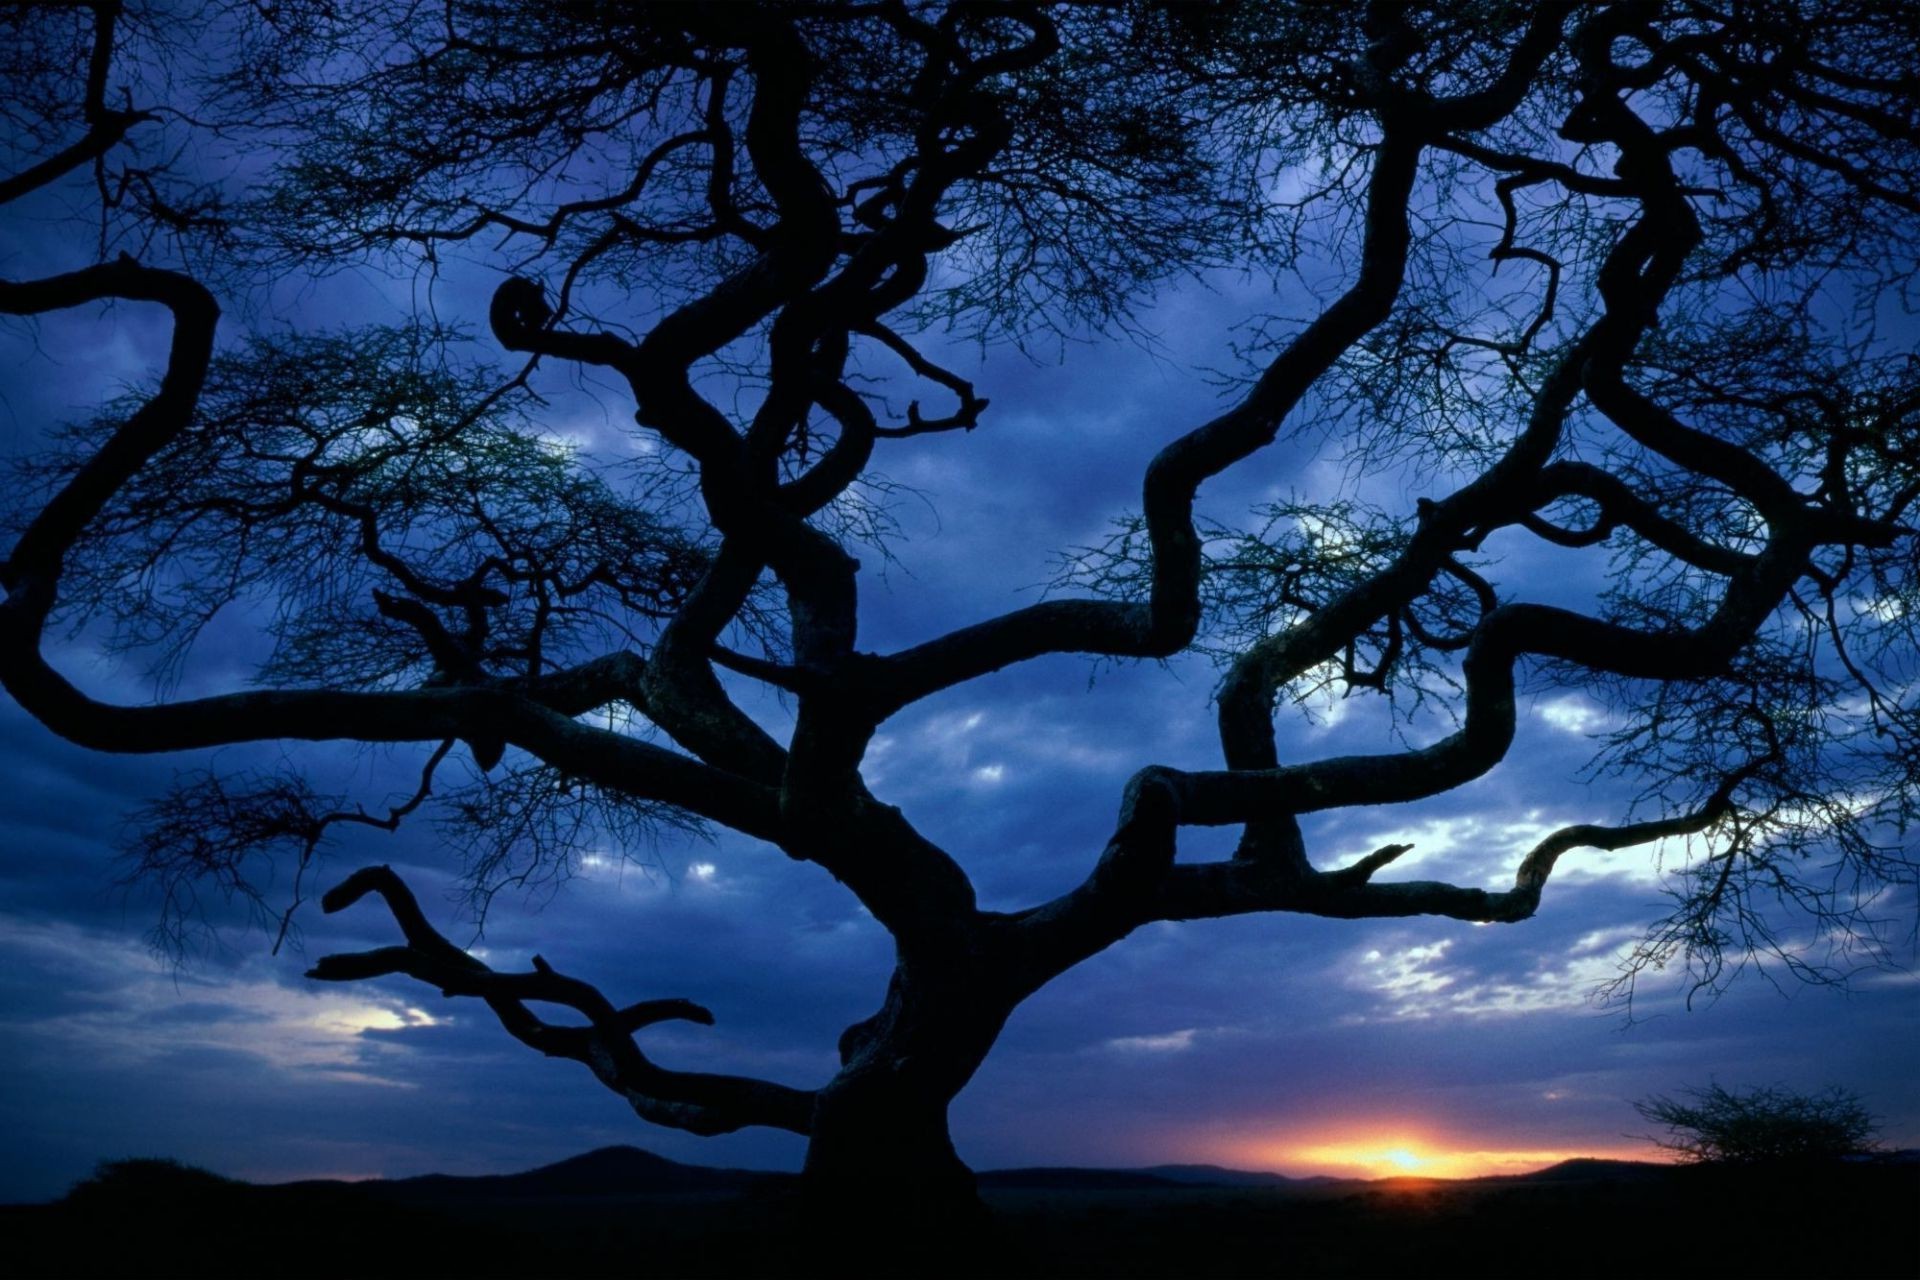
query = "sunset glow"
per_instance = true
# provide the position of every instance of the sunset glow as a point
(1403, 1152)
(1377, 1160)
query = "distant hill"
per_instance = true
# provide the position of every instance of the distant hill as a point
(605, 1173)
(1590, 1169)
(1212, 1175)
(1069, 1179)
(1162, 1177)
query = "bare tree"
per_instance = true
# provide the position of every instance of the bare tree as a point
(1616, 276)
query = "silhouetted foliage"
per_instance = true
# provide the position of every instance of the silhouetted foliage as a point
(154, 1181)
(1773, 1125)
(1614, 278)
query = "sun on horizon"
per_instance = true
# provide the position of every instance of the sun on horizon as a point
(1402, 1153)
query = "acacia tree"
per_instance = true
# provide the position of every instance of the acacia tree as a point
(1768, 1126)
(754, 219)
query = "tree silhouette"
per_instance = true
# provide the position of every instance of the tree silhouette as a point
(1618, 277)
(1769, 1126)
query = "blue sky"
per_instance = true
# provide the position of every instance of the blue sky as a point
(1282, 1042)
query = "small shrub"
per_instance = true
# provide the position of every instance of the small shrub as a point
(1761, 1126)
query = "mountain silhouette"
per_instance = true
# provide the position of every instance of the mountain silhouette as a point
(606, 1172)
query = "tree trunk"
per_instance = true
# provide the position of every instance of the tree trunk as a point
(881, 1171)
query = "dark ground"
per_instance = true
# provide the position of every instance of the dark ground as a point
(624, 1213)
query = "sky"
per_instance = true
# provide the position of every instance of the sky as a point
(1277, 1042)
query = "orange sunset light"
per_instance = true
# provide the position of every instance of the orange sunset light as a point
(1391, 1153)
(1378, 1159)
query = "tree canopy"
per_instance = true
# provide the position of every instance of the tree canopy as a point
(1767, 1126)
(1623, 280)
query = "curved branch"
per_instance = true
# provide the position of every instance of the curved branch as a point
(971, 405)
(1221, 889)
(1620, 505)
(1231, 796)
(695, 1101)
(30, 571)
(538, 720)
(1093, 916)
(105, 126)
(1167, 623)
(1062, 933)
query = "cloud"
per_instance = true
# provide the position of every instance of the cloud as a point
(141, 1014)
(1169, 1042)
(1422, 982)
(1572, 714)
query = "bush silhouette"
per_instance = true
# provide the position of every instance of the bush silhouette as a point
(1775, 1125)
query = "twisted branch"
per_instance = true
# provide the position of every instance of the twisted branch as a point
(694, 1101)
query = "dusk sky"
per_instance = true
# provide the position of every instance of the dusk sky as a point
(1280, 1042)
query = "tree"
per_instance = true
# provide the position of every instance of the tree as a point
(1715, 1125)
(1619, 278)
